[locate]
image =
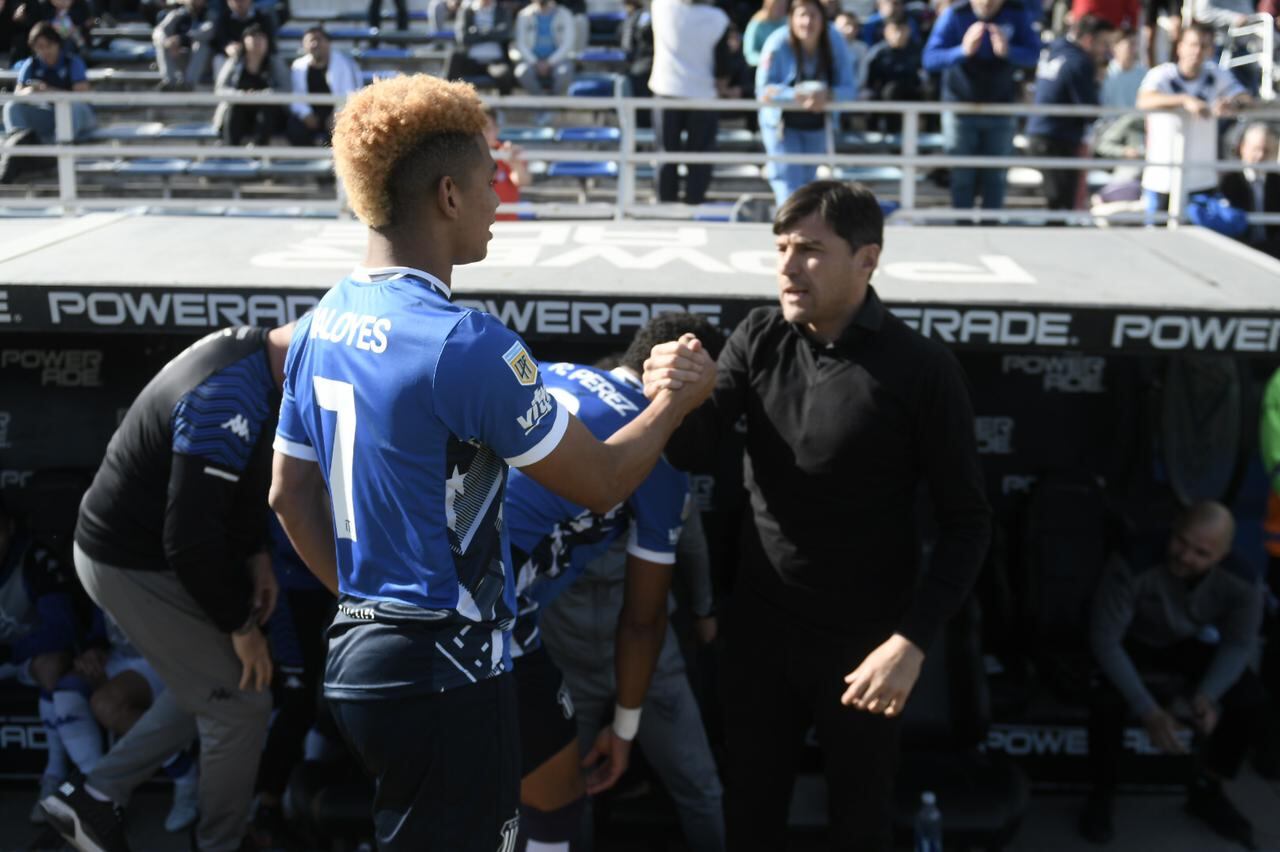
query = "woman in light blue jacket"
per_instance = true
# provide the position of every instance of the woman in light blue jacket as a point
(809, 65)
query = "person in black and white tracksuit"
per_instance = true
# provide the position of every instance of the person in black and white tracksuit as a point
(171, 543)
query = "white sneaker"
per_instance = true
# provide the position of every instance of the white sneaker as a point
(186, 803)
(48, 784)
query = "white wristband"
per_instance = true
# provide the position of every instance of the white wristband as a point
(626, 721)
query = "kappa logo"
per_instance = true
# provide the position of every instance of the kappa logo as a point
(238, 426)
(507, 841)
(522, 364)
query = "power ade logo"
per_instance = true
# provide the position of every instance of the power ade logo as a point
(1197, 333)
(139, 308)
(63, 368)
(1063, 741)
(984, 326)
(22, 732)
(1062, 373)
(15, 478)
(562, 316)
(995, 435)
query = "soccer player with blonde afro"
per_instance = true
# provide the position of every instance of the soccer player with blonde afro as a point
(401, 415)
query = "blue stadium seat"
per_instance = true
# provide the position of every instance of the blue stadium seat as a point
(526, 135)
(97, 167)
(588, 135)
(190, 130)
(154, 166)
(384, 53)
(226, 168)
(597, 86)
(123, 52)
(603, 55)
(125, 132)
(582, 171)
(319, 168)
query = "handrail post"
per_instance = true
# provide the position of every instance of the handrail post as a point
(626, 194)
(1177, 178)
(63, 134)
(910, 148)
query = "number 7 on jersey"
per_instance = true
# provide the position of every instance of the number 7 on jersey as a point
(340, 398)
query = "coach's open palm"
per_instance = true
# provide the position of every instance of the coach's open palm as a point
(885, 678)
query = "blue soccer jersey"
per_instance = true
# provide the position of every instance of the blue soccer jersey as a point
(414, 407)
(552, 539)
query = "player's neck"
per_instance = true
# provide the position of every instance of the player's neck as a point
(393, 249)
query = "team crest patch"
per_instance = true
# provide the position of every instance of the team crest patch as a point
(522, 364)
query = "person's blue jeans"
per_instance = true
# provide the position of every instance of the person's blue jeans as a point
(20, 115)
(978, 136)
(786, 178)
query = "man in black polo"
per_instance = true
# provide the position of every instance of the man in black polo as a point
(847, 412)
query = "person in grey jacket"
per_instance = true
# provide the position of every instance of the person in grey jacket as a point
(484, 32)
(1190, 622)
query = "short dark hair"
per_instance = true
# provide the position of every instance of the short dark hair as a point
(316, 29)
(1201, 28)
(418, 172)
(850, 209)
(44, 30)
(898, 19)
(1091, 25)
(667, 327)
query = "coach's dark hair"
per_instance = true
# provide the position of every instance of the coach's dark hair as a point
(849, 209)
(44, 30)
(666, 327)
(1091, 25)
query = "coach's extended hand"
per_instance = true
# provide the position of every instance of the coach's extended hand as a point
(615, 752)
(674, 364)
(885, 678)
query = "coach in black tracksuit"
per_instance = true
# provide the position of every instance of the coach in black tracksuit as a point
(847, 412)
(164, 541)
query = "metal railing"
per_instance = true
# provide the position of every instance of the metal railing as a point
(909, 158)
(1261, 27)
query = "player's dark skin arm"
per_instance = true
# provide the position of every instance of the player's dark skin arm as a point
(642, 627)
(299, 499)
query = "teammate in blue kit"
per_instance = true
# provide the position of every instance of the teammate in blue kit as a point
(400, 417)
(553, 539)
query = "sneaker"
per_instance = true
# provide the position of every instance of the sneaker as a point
(1207, 801)
(1096, 824)
(48, 785)
(186, 803)
(84, 822)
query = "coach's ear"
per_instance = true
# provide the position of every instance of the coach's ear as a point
(868, 258)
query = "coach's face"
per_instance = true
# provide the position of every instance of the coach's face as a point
(822, 281)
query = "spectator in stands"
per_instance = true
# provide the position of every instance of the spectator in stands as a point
(977, 45)
(850, 28)
(229, 28)
(887, 10)
(72, 19)
(1067, 75)
(39, 633)
(402, 15)
(1256, 191)
(764, 23)
(50, 68)
(545, 38)
(635, 36)
(1123, 139)
(579, 629)
(251, 71)
(1189, 618)
(184, 32)
(124, 686)
(894, 72)
(686, 37)
(1223, 14)
(443, 15)
(512, 170)
(1123, 15)
(1202, 93)
(735, 79)
(1124, 72)
(805, 65)
(483, 31)
(320, 70)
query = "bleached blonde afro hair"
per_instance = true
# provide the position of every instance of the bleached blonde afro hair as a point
(385, 121)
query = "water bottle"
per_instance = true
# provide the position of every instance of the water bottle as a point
(928, 824)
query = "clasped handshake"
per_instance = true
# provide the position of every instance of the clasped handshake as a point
(681, 368)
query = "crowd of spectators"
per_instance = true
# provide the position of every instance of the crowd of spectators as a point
(791, 57)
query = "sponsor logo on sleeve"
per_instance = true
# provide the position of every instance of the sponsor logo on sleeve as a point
(521, 364)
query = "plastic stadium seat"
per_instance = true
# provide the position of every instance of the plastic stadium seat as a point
(582, 171)
(738, 139)
(319, 168)
(603, 55)
(97, 167)
(191, 130)
(385, 53)
(154, 166)
(592, 87)
(227, 168)
(123, 52)
(526, 135)
(588, 135)
(125, 132)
